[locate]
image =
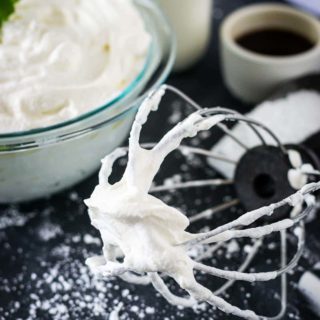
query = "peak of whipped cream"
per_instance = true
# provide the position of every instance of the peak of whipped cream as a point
(143, 236)
(62, 58)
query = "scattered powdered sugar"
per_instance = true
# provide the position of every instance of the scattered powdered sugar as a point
(62, 251)
(12, 217)
(65, 290)
(49, 231)
(233, 246)
(74, 196)
(176, 115)
(150, 310)
(89, 239)
(59, 283)
(247, 249)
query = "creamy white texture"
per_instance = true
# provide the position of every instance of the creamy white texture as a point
(151, 236)
(62, 58)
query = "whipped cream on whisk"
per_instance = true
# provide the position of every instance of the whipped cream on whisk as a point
(142, 236)
(62, 58)
(142, 226)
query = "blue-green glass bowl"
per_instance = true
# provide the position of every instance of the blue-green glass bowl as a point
(42, 161)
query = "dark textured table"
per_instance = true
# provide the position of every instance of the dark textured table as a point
(44, 244)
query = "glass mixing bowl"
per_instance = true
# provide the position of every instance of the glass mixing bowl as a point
(43, 161)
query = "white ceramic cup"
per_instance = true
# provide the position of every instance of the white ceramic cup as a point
(251, 76)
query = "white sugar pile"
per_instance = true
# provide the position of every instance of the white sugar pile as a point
(293, 119)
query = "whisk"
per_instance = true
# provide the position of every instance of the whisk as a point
(261, 180)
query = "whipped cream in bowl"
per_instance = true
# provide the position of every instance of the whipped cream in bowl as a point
(71, 98)
(62, 58)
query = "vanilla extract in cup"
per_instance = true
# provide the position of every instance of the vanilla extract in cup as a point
(265, 45)
(275, 42)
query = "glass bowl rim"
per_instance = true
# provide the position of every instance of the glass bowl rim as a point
(10, 145)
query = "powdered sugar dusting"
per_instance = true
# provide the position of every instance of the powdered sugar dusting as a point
(11, 217)
(49, 231)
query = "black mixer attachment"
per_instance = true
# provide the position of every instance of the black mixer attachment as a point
(261, 176)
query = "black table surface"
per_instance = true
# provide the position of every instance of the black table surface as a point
(44, 244)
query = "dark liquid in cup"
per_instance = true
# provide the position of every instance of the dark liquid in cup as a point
(275, 42)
